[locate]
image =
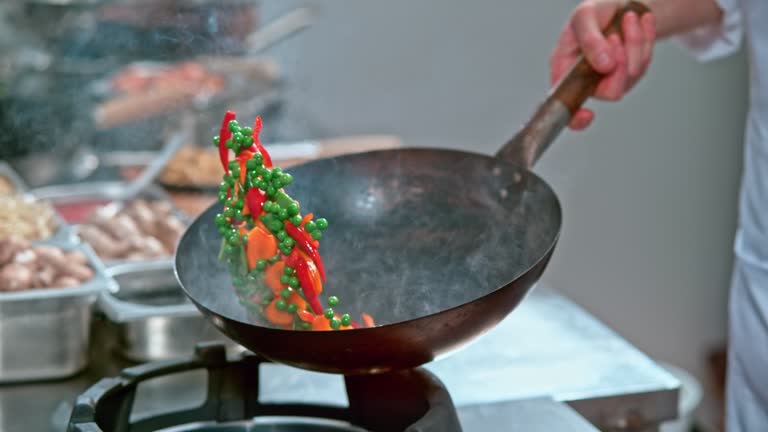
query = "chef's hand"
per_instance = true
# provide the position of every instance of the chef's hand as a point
(624, 63)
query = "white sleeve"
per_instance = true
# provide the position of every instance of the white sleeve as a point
(716, 41)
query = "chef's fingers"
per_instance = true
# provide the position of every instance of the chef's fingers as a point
(649, 29)
(564, 55)
(634, 43)
(586, 24)
(648, 26)
(582, 119)
(613, 87)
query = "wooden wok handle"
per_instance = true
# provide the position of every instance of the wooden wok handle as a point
(581, 81)
(564, 99)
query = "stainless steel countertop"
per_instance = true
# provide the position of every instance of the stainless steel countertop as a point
(549, 347)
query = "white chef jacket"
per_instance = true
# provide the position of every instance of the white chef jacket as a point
(747, 381)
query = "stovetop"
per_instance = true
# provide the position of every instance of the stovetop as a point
(550, 358)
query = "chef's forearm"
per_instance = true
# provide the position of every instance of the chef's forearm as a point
(679, 16)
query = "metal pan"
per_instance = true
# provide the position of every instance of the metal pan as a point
(437, 245)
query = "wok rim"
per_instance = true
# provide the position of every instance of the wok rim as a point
(544, 256)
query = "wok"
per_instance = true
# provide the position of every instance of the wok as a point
(437, 245)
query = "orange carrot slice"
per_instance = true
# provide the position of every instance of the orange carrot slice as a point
(272, 277)
(368, 320)
(261, 245)
(277, 317)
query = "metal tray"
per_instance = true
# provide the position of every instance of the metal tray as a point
(154, 318)
(47, 330)
(111, 190)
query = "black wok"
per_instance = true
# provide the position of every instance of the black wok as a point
(437, 245)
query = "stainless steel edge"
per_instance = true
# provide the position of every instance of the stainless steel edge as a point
(147, 332)
(45, 333)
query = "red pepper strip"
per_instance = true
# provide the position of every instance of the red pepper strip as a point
(354, 324)
(225, 135)
(257, 143)
(254, 199)
(302, 273)
(305, 316)
(297, 234)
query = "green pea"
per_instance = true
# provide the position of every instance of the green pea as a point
(286, 179)
(220, 220)
(239, 204)
(216, 140)
(293, 282)
(287, 271)
(228, 143)
(277, 171)
(274, 259)
(261, 184)
(310, 227)
(238, 137)
(252, 164)
(282, 214)
(284, 279)
(317, 235)
(233, 165)
(271, 190)
(222, 197)
(289, 242)
(335, 324)
(258, 158)
(230, 181)
(233, 126)
(305, 325)
(333, 300)
(239, 215)
(293, 209)
(247, 141)
(238, 282)
(229, 212)
(296, 220)
(328, 313)
(281, 235)
(346, 320)
(292, 308)
(280, 304)
(286, 250)
(223, 230)
(229, 249)
(266, 174)
(246, 130)
(285, 293)
(245, 238)
(223, 186)
(322, 223)
(276, 226)
(261, 264)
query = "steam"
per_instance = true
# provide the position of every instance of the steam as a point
(404, 242)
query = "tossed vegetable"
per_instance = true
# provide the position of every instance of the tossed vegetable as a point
(272, 250)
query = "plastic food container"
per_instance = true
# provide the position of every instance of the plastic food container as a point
(46, 332)
(155, 320)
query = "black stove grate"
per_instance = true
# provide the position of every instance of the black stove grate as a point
(410, 400)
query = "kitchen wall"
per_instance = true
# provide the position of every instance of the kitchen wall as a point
(649, 192)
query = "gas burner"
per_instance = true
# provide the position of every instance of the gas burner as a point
(409, 400)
